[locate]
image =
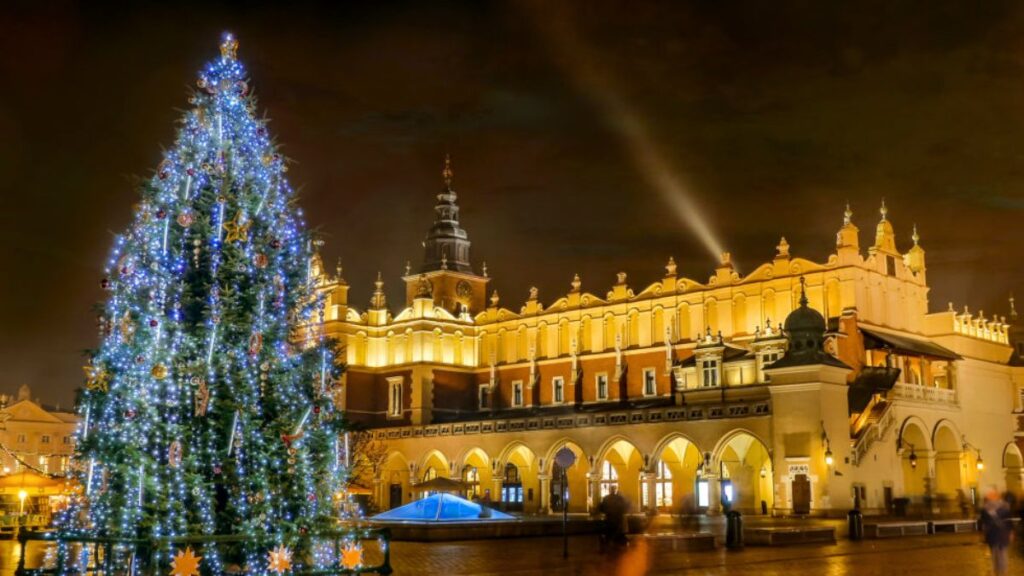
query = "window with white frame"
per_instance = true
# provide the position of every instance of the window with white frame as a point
(484, 397)
(662, 487)
(67, 439)
(45, 439)
(609, 478)
(558, 389)
(22, 439)
(650, 383)
(767, 359)
(602, 386)
(709, 372)
(395, 397)
(517, 393)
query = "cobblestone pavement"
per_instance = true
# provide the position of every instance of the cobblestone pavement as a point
(933, 555)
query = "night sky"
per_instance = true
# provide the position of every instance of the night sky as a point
(770, 115)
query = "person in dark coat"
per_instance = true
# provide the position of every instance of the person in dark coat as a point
(998, 530)
(614, 507)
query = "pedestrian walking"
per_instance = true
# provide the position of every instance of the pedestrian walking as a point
(614, 507)
(998, 530)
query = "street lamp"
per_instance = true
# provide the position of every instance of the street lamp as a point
(913, 457)
(828, 457)
(981, 463)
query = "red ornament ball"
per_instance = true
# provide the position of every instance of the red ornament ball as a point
(153, 323)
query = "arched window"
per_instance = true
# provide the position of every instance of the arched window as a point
(429, 474)
(609, 478)
(471, 477)
(512, 489)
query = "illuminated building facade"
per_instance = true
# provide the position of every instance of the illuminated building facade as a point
(801, 387)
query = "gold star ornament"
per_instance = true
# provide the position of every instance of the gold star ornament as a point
(96, 378)
(352, 556)
(185, 563)
(280, 560)
(236, 229)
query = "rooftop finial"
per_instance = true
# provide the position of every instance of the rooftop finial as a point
(803, 291)
(447, 173)
(884, 210)
(229, 46)
(379, 282)
(847, 214)
(337, 269)
(783, 248)
(1013, 308)
(915, 236)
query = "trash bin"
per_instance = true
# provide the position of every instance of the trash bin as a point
(856, 524)
(733, 530)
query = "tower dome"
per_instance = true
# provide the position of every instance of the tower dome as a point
(805, 329)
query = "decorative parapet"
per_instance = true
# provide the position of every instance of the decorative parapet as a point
(994, 330)
(564, 421)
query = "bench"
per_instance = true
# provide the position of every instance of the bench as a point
(952, 526)
(784, 536)
(895, 529)
(690, 541)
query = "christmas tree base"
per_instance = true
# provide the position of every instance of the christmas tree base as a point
(355, 551)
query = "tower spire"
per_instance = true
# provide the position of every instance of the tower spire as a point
(1013, 308)
(847, 214)
(447, 244)
(447, 173)
(803, 292)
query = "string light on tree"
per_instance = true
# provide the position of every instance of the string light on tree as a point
(196, 379)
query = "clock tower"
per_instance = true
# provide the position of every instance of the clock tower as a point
(446, 275)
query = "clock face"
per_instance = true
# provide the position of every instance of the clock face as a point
(463, 290)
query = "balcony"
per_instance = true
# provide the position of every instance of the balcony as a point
(928, 394)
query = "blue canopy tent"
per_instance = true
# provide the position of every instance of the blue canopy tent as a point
(442, 507)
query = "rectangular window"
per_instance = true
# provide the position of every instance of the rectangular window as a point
(602, 386)
(67, 439)
(395, 397)
(485, 396)
(650, 384)
(709, 371)
(703, 494)
(21, 439)
(517, 393)
(890, 265)
(45, 439)
(558, 389)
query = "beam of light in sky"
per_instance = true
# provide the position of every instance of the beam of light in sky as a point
(581, 63)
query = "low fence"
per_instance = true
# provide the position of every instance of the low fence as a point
(357, 551)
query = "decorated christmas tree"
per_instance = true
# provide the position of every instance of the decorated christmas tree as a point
(208, 405)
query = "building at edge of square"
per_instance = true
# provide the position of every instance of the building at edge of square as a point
(801, 387)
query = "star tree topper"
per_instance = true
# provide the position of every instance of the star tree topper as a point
(186, 563)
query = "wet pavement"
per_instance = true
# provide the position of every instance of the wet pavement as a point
(935, 555)
(942, 554)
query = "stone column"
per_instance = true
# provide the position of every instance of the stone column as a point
(650, 479)
(545, 493)
(496, 490)
(714, 494)
(595, 489)
(378, 493)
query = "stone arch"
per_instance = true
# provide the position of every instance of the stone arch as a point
(610, 331)
(658, 325)
(542, 347)
(683, 321)
(586, 343)
(516, 478)
(675, 463)
(914, 445)
(1013, 466)
(396, 484)
(739, 314)
(633, 324)
(433, 460)
(577, 478)
(711, 315)
(620, 463)
(475, 471)
(746, 473)
(948, 456)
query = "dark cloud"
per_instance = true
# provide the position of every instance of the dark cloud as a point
(774, 114)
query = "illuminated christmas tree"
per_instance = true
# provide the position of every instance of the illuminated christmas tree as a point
(208, 405)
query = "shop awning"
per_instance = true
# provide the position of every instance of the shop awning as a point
(875, 340)
(34, 484)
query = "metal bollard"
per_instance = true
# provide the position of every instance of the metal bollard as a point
(733, 530)
(856, 524)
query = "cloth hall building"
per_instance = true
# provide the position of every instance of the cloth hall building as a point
(688, 395)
